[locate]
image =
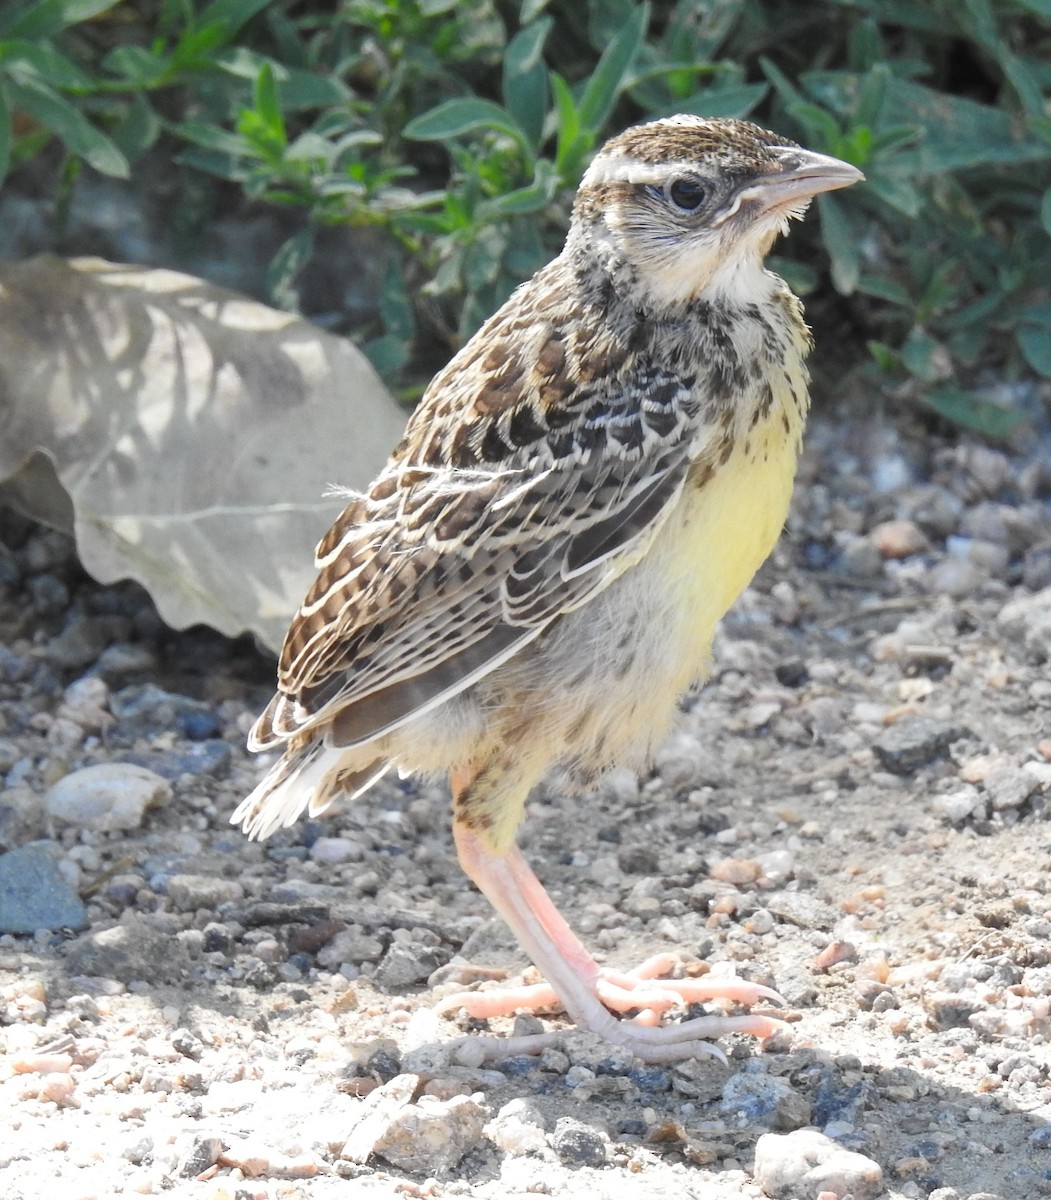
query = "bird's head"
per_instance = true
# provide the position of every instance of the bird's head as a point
(692, 205)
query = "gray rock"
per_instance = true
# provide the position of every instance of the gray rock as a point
(351, 945)
(21, 816)
(1010, 787)
(1036, 567)
(950, 1010)
(934, 508)
(960, 804)
(134, 949)
(911, 744)
(81, 641)
(34, 895)
(108, 796)
(190, 892)
(638, 859)
(764, 1100)
(579, 1145)
(804, 1163)
(796, 985)
(406, 963)
(124, 660)
(430, 1136)
(518, 1128)
(802, 909)
(10, 753)
(1026, 621)
(952, 577)
(209, 757)
(203, 1153)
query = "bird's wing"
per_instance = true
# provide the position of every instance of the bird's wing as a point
(482, 529)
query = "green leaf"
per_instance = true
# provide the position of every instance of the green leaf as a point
(531, 9)
(43, 61)
(267, 105)
(196, 48)
(138, 130)
(1035, 343)
(973, 412)
(570, 145)
(1023, 80)
(611, 71)
(5, 133)
(388, 354)
(801, 277)
(399, 318)
(137, 65)
(842, 240)
(784, 87)
(284, 269)
(457, 117)
(529, 199)
(525, 79)
(971, 315)
(737, 100)
(958, 133)
(884, 357)
(71, 127)
(231, 14)
(308, 89)
(897, 191)
(52, 16)
(870, 99)
(920, 354)
(214, 138)
(1045, 211)
(884, 288)
(821, 127)
(481, 260)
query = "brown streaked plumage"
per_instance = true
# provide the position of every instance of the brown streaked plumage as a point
(535, 576)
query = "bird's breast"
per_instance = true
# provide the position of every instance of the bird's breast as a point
(732, 511)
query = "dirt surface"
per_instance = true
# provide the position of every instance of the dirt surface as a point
(854, 812)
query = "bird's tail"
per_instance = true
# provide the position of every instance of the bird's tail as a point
(309, 779)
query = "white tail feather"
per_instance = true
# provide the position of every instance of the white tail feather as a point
(308, 781)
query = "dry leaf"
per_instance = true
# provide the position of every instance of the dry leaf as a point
(184, 434)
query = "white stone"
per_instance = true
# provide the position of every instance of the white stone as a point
(105, 797)
(960, 804)
(804, 1163)
(518, 1128)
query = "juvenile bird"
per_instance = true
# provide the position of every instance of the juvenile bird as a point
(535, 577)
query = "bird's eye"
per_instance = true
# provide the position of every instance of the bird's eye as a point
(687, 194)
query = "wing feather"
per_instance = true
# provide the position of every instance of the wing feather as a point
(504, 507)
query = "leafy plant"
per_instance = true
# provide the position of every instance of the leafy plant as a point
(459, 130)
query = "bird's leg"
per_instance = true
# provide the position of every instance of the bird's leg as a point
(583, 988)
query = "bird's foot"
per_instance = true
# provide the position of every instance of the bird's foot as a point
(587, 992)
(642, 991)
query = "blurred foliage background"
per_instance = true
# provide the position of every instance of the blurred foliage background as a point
(456, 132)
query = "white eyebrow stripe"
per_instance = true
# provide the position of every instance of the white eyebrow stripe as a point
(625, 169)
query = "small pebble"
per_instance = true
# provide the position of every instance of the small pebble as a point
(578, 1144)
(35, 894)
(518, 1128)
(898, 539)
(804, 1163)
(107, 796)
(190, 892)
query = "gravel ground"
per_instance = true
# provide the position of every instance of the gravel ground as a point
(854, 812)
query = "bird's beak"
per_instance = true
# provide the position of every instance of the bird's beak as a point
(803, 174)
(788, 189)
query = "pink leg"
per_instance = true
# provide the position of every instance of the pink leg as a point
(575, 980)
